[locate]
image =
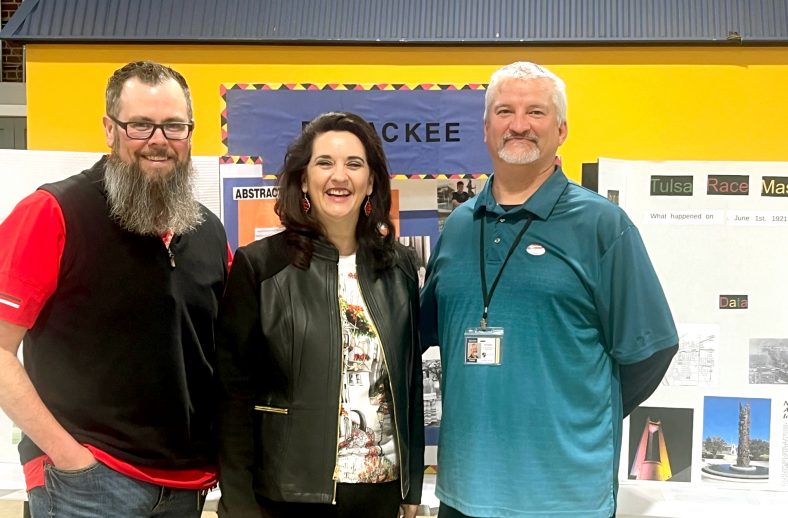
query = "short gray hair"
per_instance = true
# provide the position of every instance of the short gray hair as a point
(526, 70)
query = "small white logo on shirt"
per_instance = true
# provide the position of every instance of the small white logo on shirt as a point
(535, 249)
(8, 300)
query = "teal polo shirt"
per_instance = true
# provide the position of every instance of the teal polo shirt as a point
(540, 434)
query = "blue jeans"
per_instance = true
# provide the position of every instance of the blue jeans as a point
(99, 492)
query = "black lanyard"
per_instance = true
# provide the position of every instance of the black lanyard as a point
(487, 296)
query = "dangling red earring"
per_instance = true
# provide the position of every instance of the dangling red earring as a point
(305, 205)
(368, 207)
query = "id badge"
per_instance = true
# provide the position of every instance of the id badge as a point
(483, 346)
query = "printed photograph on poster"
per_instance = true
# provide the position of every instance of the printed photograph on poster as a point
(394, 212)
(418, 213)
(768, 361)
(450, 194)
(660, 444)
(784, 460)
(421, 248)
(736, 439)
(695, 363)
(431, 379)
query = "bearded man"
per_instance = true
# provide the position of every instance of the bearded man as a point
(113, 278)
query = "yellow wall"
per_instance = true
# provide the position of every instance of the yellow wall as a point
(690, 103)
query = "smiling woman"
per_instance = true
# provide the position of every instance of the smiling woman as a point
(335, 170)
(337, 181)
(324, 313)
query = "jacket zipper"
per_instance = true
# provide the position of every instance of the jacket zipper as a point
(335, 476)
(391, 389)
(272, 409)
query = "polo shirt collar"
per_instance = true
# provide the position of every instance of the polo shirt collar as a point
(540, 204)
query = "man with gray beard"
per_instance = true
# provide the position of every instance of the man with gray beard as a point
(564, 331)
(113, 278)
(152, 205)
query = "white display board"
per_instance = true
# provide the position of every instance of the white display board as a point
(717, 233)
(22, 171)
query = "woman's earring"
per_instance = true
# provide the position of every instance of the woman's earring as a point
(368, 207)
(305, 205)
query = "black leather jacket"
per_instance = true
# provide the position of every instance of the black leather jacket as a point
(279, 368)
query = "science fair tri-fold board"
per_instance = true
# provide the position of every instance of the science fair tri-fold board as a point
(714, 436)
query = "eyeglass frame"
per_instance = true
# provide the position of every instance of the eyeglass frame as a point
(125, 126)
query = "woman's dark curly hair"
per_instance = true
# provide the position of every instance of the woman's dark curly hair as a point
(300, 228)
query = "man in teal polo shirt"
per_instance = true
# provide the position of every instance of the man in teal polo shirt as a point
(564, 331)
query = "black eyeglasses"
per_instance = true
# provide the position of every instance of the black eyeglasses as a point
(144, 130)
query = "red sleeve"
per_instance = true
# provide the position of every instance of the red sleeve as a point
(33, 237)
(229, 257)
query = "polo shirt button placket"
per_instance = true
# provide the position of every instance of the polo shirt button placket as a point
(497, 240)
